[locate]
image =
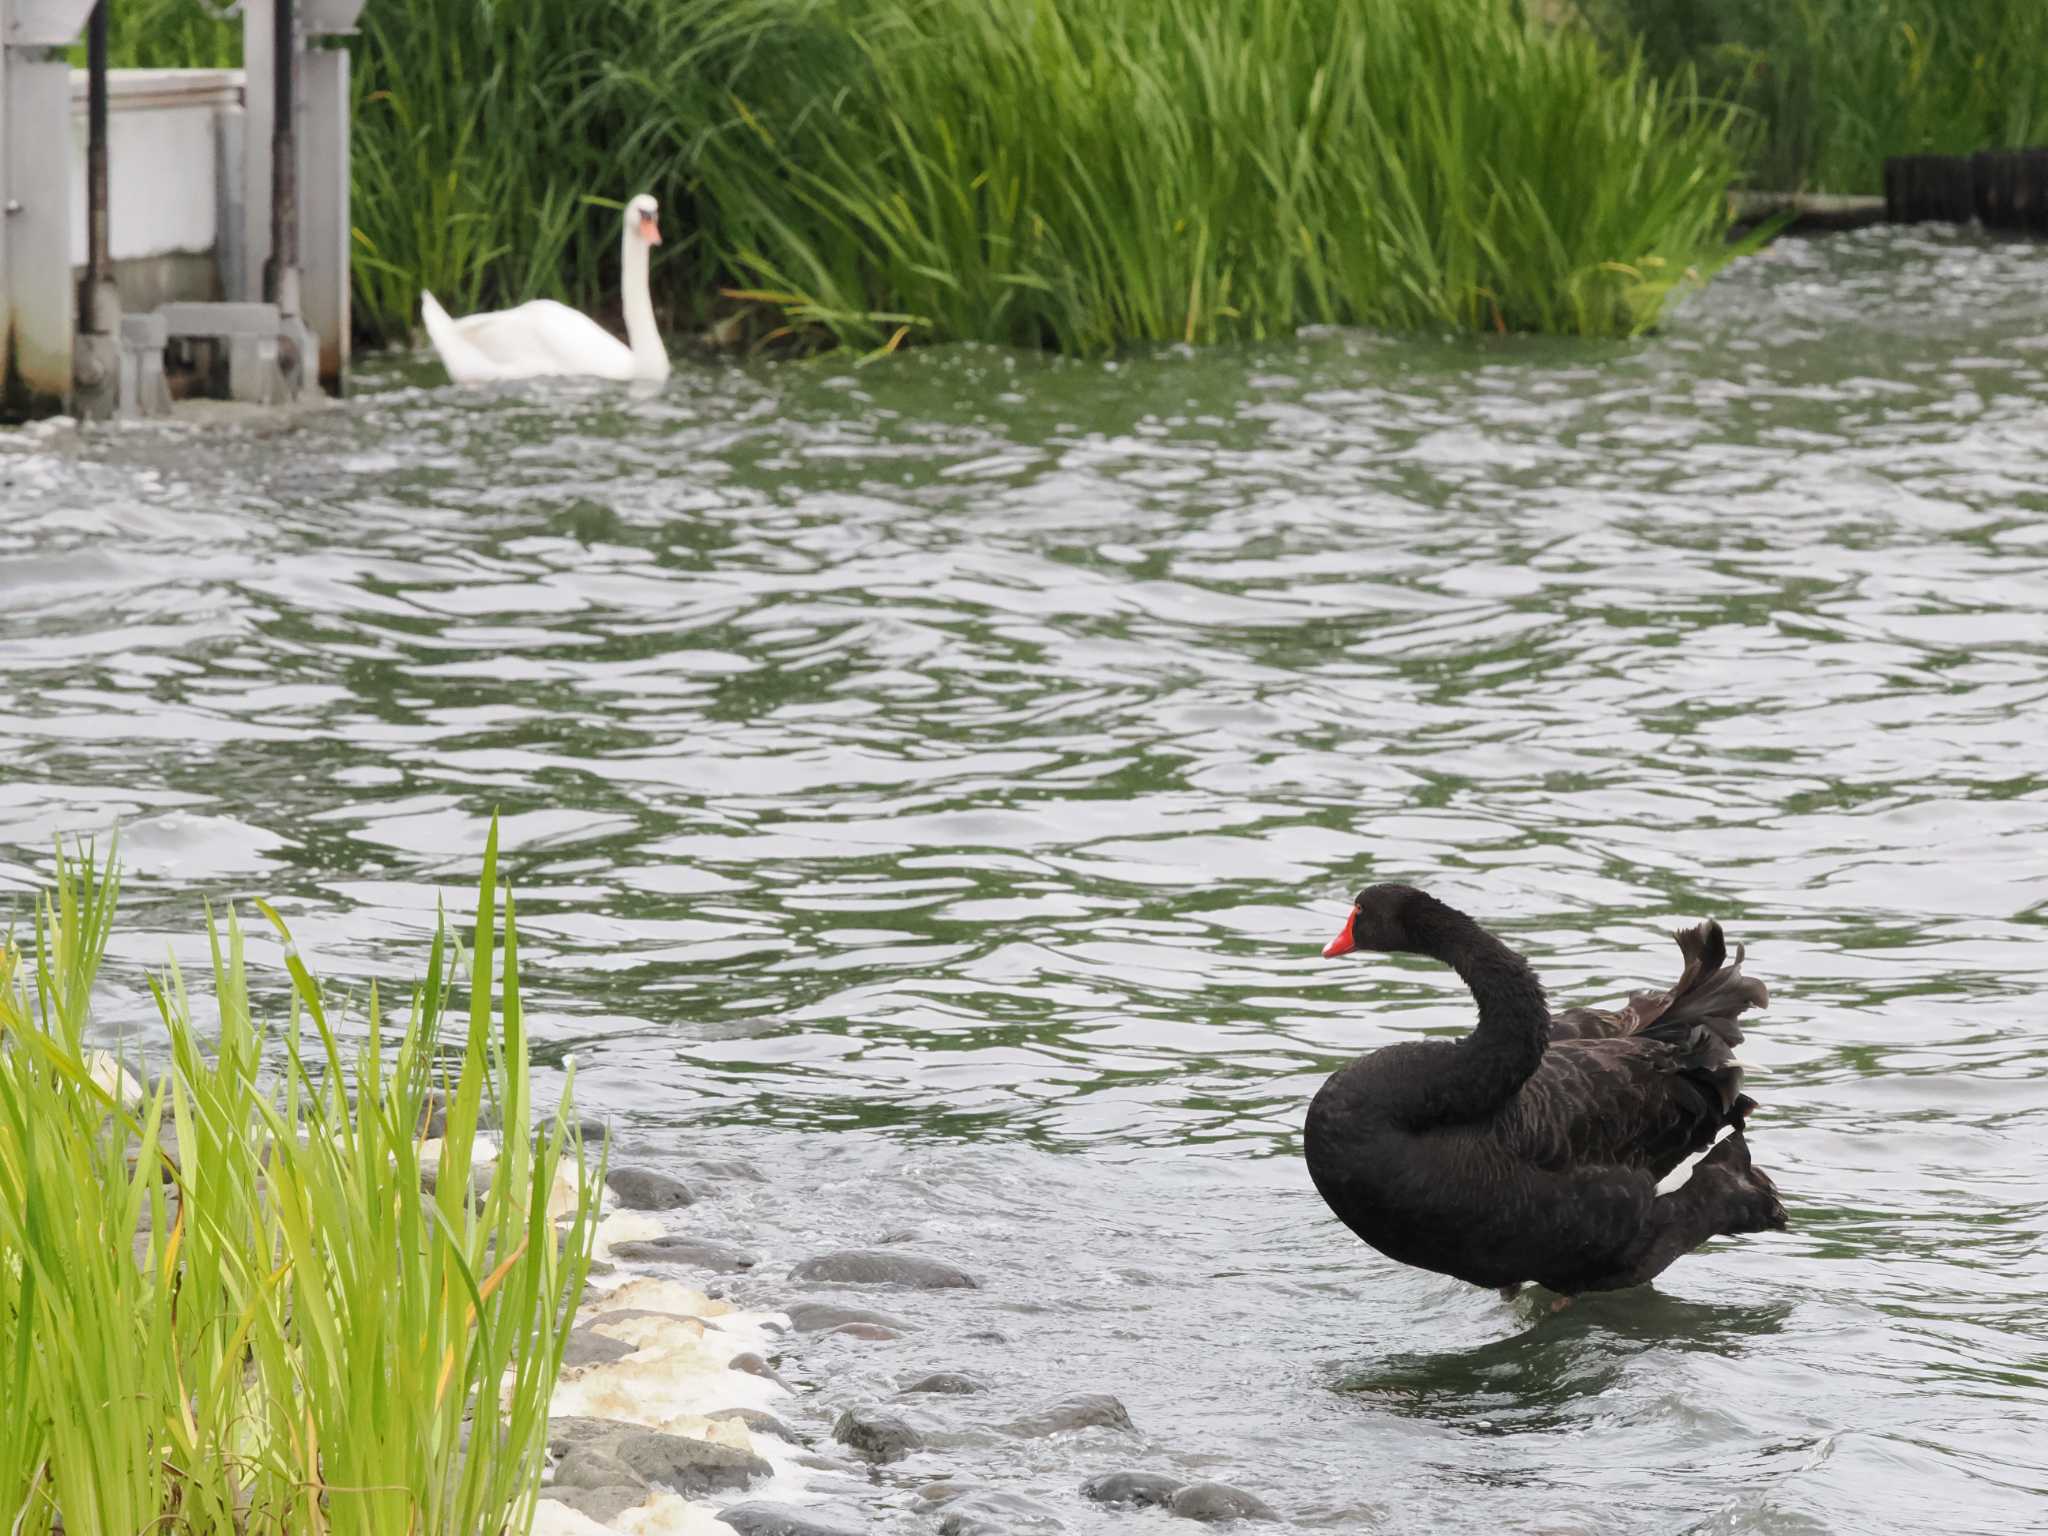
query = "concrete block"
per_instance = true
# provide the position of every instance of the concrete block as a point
(220, 319)
(144, 391)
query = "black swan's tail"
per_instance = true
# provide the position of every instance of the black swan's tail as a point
(1701, 1015)
(1711, 995)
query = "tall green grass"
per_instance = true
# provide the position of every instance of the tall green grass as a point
(1078, 175)
(1094, 172)
(1836, 86)
(226, 1303)
(1074, 174)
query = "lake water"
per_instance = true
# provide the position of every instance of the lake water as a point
(933, 782)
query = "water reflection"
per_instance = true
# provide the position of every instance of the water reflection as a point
(1550, 1374)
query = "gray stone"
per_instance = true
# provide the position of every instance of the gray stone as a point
(823, 1317)
(595, 1467)
(951, 1383)
(689, 1466)
(1132, 1488)
(599, 1453)
(1087, 1410)
(693, 1251)
(1215, 1502)
(761, 1517)
(855, 1266)
(567, 1433)
(876, 1437)
(640, 1189)
(586, 1346)
(760, 1423)
(604, 1505)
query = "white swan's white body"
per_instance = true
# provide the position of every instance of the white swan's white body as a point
(543, 338)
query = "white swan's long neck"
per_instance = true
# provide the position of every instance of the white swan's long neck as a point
(649, 355)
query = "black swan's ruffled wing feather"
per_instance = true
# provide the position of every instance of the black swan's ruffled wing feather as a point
(1709, 992)
(1647, 1085)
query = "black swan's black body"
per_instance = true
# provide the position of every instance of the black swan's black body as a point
(1531, 1149)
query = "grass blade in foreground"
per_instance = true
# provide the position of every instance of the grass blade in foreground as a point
(227, 1305)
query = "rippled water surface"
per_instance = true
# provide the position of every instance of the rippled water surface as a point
(933, 782)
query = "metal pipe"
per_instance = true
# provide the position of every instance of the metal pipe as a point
(98, 265)
(282, 284)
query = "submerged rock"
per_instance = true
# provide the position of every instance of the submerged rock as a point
(761, 1517)
(873, 1331)
(950, 1383)
(1087, 1410)
(754, 1365)
(641, 1189)
(1131, 1488)
(1217, 1502)
(862, 1266)
(730, 1168)
(877, 1437)
(995, 1512)
(695, 1251)
(823, 1317)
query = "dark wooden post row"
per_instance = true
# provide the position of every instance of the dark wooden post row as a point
(2002, 188)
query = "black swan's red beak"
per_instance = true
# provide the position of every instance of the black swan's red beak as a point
(1344, 943)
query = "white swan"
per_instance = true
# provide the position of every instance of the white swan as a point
(542, 337)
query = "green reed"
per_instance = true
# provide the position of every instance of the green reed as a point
(1836, 86)
(226, 1303)
(1073, 174)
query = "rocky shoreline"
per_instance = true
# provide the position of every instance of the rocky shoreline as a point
(675, 1414)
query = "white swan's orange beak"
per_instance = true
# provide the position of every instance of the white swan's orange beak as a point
(649, 230)
(1344, 943)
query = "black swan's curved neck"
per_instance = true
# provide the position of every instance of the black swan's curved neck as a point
(1514, 1020)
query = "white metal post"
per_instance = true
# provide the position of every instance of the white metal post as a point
(36, 290)
(324, 209)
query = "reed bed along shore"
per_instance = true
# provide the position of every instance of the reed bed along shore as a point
(256, 1294)
(1087, 174)
(1073, 174)
(1078, 175)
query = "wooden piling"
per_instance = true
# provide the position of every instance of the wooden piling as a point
(2000, 188)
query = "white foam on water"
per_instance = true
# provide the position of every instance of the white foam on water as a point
(664, 1514)
(651, 1293)
(658, 1386)
(623, 1227)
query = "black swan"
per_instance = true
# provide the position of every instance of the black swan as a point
(1532, 1148)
